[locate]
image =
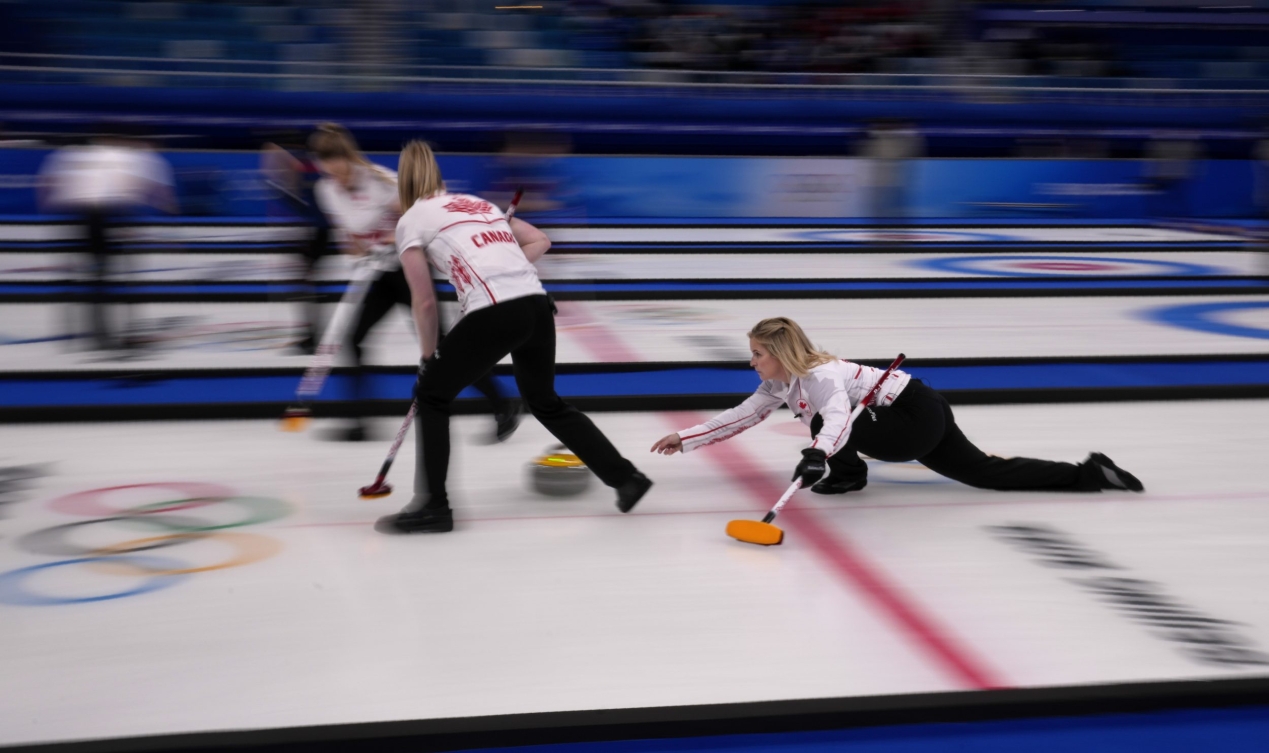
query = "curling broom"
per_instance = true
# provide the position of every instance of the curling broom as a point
(380, 487)
(763, 532)
(296, 417)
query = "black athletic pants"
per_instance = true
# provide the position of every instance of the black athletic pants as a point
(387, 290)
(524, 328)
(919, 426)
(96, 228)
(311, 252)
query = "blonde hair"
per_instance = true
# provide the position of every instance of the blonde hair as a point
(333, 141)
(418, 175)
(785, 340)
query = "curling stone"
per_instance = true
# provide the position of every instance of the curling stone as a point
(559, 474)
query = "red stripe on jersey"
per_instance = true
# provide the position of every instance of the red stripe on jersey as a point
(720, 428)
(839, 435)
(470, 222)
(761, 417)
(858, 371)
(478, 277)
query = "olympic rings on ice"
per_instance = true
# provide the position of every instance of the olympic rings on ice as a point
(126, 558)
(90, 502)
(260, 510)
(54, 541)
(249, 548)
(12, 583)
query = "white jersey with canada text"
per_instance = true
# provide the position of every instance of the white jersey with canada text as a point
(469, 242)
(367, 212)
(832, 390)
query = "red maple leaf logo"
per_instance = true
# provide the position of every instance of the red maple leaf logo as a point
(469, 206)
(458, 275)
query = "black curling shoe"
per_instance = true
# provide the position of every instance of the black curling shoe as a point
(354, 433)
(629, 493)
(1114, 477)
(507, 423)
(831, 485)
(436, 520)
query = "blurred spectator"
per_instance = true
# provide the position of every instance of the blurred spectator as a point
(291, 174)
(105, 184)
(827, 38)
(531, 160)
(890, 148)
(1171, 159)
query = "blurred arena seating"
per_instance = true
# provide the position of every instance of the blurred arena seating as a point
(1119, 38)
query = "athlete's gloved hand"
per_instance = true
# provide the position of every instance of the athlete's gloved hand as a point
(811, 469)
(424, 364)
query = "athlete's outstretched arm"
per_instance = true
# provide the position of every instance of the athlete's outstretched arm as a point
(422, 298)
(533, 242)
(729, 423)
(668, 445)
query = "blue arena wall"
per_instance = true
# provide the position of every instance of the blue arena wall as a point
(507, 106)
(229, 184)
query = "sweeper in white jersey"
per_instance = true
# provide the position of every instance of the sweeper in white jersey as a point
(360, 198)
(504, 310)
(907, 421)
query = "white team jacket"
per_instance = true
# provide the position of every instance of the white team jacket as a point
(469, 241)
(831, 390)
(367, 212)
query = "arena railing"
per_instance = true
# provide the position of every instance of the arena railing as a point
(113, 70)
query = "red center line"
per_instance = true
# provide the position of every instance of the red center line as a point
(932, 639)
(935, 642)
(593, 336)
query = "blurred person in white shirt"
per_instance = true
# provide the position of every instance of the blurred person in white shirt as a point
(891, 147)
(291, 175)
(360, 200)
(105, 183)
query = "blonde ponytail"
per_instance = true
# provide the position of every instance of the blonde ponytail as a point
(418, 175)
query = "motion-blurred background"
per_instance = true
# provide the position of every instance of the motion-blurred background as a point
(1040, 201)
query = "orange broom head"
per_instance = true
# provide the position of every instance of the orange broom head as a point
(294, 423)
(755, 532)
(367, 492)
(295, 419)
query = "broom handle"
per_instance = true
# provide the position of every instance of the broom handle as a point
(514, 205)
(868, 399)
(784, 500)
(396, 445)
(332, 340)
(409, 416)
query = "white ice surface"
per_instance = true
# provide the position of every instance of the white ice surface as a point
(563, 265)
(226, 233)
(249, 335)
(967, 235)
(537, 604)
